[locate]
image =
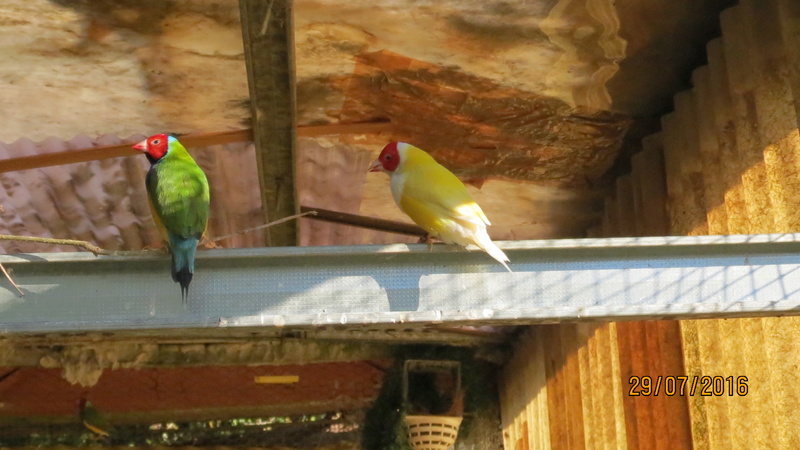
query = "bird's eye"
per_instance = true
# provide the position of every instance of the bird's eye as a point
(156, 141)
(388, 157)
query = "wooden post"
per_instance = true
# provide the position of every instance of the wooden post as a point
(650, 348)
(626, 221)
(268, 35)
(523, 393)
(789, 12)
(741, 77)
(709, 153)
(691, 169)
(650, 199)
(731, 166)
(779, 139)
(610, 219)
(564, 396)
(677, 203)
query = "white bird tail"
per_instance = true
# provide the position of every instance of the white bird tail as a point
(483, 241)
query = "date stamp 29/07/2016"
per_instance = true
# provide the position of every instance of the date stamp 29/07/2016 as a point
(691, 385)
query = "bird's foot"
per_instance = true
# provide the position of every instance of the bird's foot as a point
(430, 240)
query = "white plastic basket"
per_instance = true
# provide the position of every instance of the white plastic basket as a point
(432, 432)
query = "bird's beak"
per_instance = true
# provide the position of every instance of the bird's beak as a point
(376, 166)
(141, 146)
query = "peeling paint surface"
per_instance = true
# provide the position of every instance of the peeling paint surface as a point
(533, 96)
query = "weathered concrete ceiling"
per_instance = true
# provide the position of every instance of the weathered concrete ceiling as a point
(535, 96)
(482, 129)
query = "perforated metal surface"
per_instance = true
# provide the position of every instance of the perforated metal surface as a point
(552, 281)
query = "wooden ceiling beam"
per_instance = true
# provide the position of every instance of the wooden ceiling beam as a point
(268, 34)
(114, 151)
(190, 141)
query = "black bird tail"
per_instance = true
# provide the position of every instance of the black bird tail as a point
(182, 276)
(183, 250)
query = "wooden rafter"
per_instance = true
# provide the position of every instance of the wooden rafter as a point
(267, 31)
(189, 140)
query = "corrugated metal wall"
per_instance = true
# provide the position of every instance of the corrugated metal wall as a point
(730, 165)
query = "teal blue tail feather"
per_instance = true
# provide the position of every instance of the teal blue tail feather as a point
(183, 251)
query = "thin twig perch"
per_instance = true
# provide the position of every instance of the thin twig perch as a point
(11, 280)
(76, 243)
(101, 251)
(274, 222)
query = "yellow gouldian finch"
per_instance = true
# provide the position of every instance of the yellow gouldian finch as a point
(435, 199)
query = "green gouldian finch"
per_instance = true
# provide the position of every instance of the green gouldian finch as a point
(179, 200)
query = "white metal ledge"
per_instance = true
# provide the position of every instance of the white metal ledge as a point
(553, 281)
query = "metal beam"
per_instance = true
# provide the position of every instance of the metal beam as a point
(374, 287)
(268, 33)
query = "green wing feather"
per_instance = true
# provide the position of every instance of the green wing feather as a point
(179, 194)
